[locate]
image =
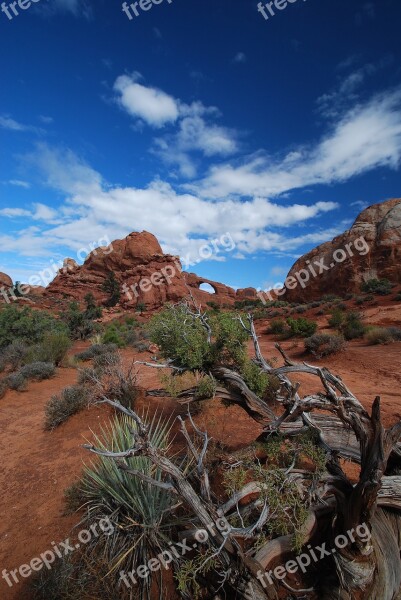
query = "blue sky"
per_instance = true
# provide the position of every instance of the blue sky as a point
(196, 118)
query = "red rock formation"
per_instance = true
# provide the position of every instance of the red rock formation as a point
(379, 257)
(146, 276)
(5, 281)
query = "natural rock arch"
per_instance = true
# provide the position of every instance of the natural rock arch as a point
(207, 287)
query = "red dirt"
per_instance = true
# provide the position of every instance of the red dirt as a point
(39, 465)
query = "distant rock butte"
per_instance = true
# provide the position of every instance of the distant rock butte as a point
(380, 226)
(135, 260)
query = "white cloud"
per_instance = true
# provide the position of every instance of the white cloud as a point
(14, 212)
(364, 138)
(183, 222)
(195, 132)
(19, 183)
(40, 212)
(6, 122)
(150, 104)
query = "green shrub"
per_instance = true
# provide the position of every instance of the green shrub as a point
(324, 344)
(256, 379)
(353, 327)
(185, 341)
(379, 335)
(92, 311)
(95, 350)
(38, 371)
(112, 287)
(381, 287)
(17, 382)
(26, 325)
(79, 324)
(397, 297)
(15, 355)
(337, 318)
(277, 326)
(53, 348)
(302, 327)
(62, 406)
(206, 388)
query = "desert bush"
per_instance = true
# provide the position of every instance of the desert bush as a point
(206, 388)
(53, 348)
(397, 297)
(79, 324)
(277, 326)
(353, 327)
(14, 356)
(321, 312)
(95, 350)
(185, 340)
(337, 318)
(301, 309)
(109, 378)
(38, 371)
(141, 346)
(395, 333)
(112, 287)
(62, 406)
(256, 379)
(381, 287)
(17, 382)
(330, 298)
(324, 344)
(26, 325)
(359, 300)
(273, 387)
(379, 335)
(302, 327)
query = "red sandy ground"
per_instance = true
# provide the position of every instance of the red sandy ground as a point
(37, 466)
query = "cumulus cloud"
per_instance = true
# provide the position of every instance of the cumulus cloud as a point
(152, 105)
(195, 133)
(182, 221)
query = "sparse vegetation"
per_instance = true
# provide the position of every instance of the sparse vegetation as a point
(112, 287)
(301, 327)
(62, 406)
(378, 335)
(324, 344)
(381, 287)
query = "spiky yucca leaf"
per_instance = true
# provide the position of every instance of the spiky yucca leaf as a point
(139, 511)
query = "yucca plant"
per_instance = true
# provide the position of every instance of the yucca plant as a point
(139, 511)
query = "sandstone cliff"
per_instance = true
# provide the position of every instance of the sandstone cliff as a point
(380, 227)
